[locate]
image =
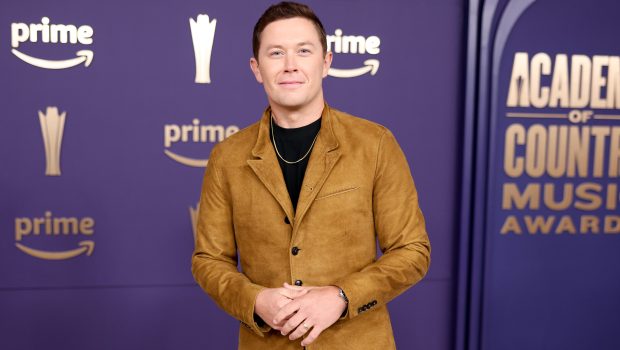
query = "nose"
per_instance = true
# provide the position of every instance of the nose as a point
(290, 63)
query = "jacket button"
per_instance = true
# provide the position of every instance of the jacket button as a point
(286, 220)
(298, 283)
(374, 302)
(295, 251)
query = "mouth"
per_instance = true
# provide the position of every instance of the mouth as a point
(291, 84)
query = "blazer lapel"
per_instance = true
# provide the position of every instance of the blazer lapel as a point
(267, 169)
(321, 162)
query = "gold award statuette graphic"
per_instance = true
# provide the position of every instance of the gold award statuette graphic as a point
(52, 33)
(203, 32)
(354, 44)
(55, 227)
(52, 127)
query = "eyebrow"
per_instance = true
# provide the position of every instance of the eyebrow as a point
(303, 43)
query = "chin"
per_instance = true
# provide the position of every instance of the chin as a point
(291, 103)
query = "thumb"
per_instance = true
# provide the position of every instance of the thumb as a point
(293, 293)
(291, 287)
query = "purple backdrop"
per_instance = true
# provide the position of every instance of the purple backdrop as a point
(126, 111)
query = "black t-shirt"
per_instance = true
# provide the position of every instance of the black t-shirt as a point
(293, 144)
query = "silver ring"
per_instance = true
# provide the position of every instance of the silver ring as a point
(306, 326)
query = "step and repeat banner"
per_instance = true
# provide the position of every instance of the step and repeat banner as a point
(109, 113)
(550, 225)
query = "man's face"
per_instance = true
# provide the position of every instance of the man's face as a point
(290, 64)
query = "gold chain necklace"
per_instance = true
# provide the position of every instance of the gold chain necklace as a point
(278, 152)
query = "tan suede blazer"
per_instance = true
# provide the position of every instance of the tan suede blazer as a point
(357, 189)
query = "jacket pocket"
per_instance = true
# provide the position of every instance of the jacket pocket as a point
(336, 192)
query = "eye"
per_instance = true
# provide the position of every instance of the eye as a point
(276, 53)
(305, 51)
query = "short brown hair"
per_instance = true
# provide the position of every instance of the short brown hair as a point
(285, 10)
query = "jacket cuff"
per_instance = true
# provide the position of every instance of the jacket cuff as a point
(250, 320)
(262, 325)
(358, 303)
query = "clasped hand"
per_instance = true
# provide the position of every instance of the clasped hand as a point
(295, 311)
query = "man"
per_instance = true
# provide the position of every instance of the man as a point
(300, 198)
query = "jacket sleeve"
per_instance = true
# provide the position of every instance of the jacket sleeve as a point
(401, 232)
(214, 262)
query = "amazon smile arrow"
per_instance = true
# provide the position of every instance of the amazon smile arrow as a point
(85, 247)
(198, 163)
(370, 65)
(85, 56)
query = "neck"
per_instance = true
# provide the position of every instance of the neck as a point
(296, 117)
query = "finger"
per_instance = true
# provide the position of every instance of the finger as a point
(293, 287)
(302, 329)
(290, 286)
(292, 294)
(286, 311)
(282, 301)
(316, 331)
(292, 323)
(283, 321)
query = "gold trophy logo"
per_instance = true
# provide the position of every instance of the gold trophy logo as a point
(52, 126)
(193, 214)
(203, 32)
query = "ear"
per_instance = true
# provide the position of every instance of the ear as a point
(327, 62)
(255, 70)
